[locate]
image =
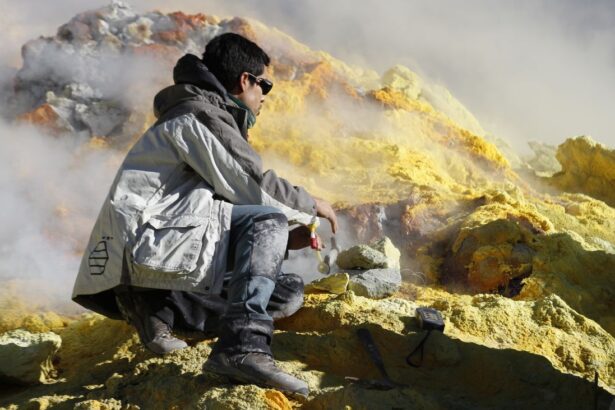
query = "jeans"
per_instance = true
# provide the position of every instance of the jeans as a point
(258, 240)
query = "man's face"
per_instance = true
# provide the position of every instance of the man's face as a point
(252, 95)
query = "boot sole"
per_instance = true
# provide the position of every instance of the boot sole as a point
(235, 375)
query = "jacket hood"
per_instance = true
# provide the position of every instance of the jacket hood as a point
(195, 83)
(191, 70)
(192, 81)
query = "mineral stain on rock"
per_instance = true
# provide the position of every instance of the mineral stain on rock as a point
(523, 275)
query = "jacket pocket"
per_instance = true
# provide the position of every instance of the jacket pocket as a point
(170, 243)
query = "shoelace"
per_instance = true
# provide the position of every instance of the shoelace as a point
(245, 356)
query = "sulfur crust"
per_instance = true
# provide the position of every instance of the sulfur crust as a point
(354, 137)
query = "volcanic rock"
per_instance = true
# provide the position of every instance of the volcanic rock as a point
(514, 247)
(541, 353)
(371, 283)
(373, 269)
(48, 117)
(377, 255)
(544, 162)
(336, 283)
(389, 250)
(402, 79)
(26, 358)
(490, 255)
(374, 283)
(363, 257)
(587, 167)
(527, 279)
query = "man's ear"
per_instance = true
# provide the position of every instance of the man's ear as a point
(244, 82)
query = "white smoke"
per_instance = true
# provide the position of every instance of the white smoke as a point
(529, 70)
(51, 190)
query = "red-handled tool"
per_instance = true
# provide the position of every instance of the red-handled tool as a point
(314, 244)
(314, 238)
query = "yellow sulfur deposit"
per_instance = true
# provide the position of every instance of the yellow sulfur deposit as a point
(587, 167)
(359, 147)
(521, 270)
(532, 353)
(549, 250)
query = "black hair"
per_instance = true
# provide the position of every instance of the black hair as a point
(229, 55)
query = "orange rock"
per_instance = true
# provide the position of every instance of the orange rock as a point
(365, 224)
(486, 255)
(242, 27)
(183, 24)
(159, 51)
(275, 400)
(171, 36)
(323, 79)
(98, 143)
(192, 20)
(44, 116)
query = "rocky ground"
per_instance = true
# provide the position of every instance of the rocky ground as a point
(494, 353)
(518, 256)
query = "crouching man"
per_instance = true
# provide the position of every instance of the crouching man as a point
(193, 233)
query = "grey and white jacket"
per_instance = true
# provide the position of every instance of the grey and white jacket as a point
(166, 219)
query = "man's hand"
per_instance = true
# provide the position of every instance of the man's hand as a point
(299, 238)
(324, 210)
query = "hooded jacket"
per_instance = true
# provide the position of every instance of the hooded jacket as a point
(165, 222)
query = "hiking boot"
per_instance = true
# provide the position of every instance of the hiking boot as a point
(153, 332)
(255, 368)
(163, 341)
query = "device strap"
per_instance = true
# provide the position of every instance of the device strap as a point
(420, 346)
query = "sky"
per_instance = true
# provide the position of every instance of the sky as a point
(528, 70)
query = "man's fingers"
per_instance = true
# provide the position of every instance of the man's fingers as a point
(333, 222)
(325, 210)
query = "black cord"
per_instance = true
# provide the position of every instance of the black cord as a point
(421, 346)
(596, 389)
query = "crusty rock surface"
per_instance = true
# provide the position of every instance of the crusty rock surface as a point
(527, 250)
(544, 162)
(389, 250)
(26, 358)
(371, 283)
(336, 283)
(523, 275)
(540, 354)
(374, 283)
(361, 257)
(380, 254)
(587, 167)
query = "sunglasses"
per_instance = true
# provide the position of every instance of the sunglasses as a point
(263, 83)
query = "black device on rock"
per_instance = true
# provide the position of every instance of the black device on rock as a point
(429, 319)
